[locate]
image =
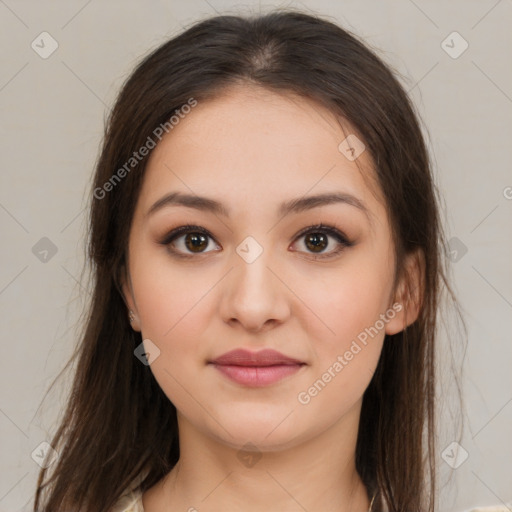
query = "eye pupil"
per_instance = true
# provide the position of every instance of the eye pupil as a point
(195, 241)
(318, 241)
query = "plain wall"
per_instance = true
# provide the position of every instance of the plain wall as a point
(53, 111)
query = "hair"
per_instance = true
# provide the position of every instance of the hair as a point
(118, 423)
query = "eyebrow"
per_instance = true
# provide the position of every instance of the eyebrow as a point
(292, 206)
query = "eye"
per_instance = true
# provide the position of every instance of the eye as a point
(316, 240)
(186, 241)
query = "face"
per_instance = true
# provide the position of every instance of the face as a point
(257, 273)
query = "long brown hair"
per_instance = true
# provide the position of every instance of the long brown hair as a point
(118, 423)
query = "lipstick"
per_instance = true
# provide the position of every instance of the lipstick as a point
(256, 369)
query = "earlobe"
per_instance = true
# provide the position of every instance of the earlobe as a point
(127, 293)
(409, 295)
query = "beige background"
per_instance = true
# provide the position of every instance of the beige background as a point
(52, 113)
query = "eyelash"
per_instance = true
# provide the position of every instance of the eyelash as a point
(318, 228)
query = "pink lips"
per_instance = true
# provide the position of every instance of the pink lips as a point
(256, 369)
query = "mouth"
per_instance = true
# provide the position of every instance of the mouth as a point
(256, 369)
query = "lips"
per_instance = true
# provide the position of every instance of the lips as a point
(267, 357)
(256, 369)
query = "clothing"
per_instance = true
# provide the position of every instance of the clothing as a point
(494, 508)
(129, 502)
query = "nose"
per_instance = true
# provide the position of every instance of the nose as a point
(254, 296)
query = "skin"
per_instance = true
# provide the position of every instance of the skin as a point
(252, 149)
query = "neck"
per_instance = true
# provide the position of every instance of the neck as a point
(315, 475)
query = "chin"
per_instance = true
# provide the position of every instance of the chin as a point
(267, 432)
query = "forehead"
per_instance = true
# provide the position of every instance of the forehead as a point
(255, 147)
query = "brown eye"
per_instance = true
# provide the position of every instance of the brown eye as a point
(316, 242)
(186, 241)
(196, 242)
(323, 241)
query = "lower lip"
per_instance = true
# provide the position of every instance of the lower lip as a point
(257, 376)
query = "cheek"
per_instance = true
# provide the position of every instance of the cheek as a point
(346, 349)
(172, 310)
(347, 302)
(167, 294)
(347, 343)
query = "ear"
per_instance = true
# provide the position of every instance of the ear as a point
(409, 295)
(127, 289)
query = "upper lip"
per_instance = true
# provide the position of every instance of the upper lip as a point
(266, 357)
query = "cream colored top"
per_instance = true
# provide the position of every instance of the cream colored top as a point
(132, 502)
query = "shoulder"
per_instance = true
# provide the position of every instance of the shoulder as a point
(129, 502)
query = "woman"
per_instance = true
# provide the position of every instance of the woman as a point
(266, 245)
